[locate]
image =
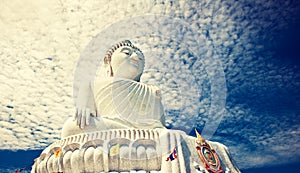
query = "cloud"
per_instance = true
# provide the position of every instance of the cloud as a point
(40, 50)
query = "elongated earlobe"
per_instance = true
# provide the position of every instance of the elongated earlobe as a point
(111, 71)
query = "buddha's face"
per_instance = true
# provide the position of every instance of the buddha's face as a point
(127, 62)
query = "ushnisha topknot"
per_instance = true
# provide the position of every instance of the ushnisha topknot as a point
(128, 43)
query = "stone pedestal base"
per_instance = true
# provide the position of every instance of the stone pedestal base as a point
(125, 150)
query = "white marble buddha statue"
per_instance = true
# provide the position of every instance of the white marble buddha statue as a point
(116, 99)
(119, 127)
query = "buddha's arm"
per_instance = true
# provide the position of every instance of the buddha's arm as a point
(85, 105)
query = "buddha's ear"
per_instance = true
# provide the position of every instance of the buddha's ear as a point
(109, 70)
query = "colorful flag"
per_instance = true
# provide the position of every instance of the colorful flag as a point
(22, 169)
(114, 150)
(57, 153)
(173, 155)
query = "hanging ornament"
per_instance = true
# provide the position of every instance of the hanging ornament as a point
(208, 155)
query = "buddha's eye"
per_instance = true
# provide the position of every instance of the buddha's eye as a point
(126, 51)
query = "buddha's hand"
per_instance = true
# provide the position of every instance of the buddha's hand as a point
(85, 106)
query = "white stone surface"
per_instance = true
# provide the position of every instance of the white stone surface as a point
(104, 151)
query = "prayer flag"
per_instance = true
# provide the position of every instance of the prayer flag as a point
(22, 169)
(173, 155)
(57, 153)
(114, 150)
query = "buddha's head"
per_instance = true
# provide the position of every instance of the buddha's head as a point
(125, 60)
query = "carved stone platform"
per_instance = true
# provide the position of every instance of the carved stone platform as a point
(125, 150)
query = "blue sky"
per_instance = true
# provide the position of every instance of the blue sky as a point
(256, 43)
